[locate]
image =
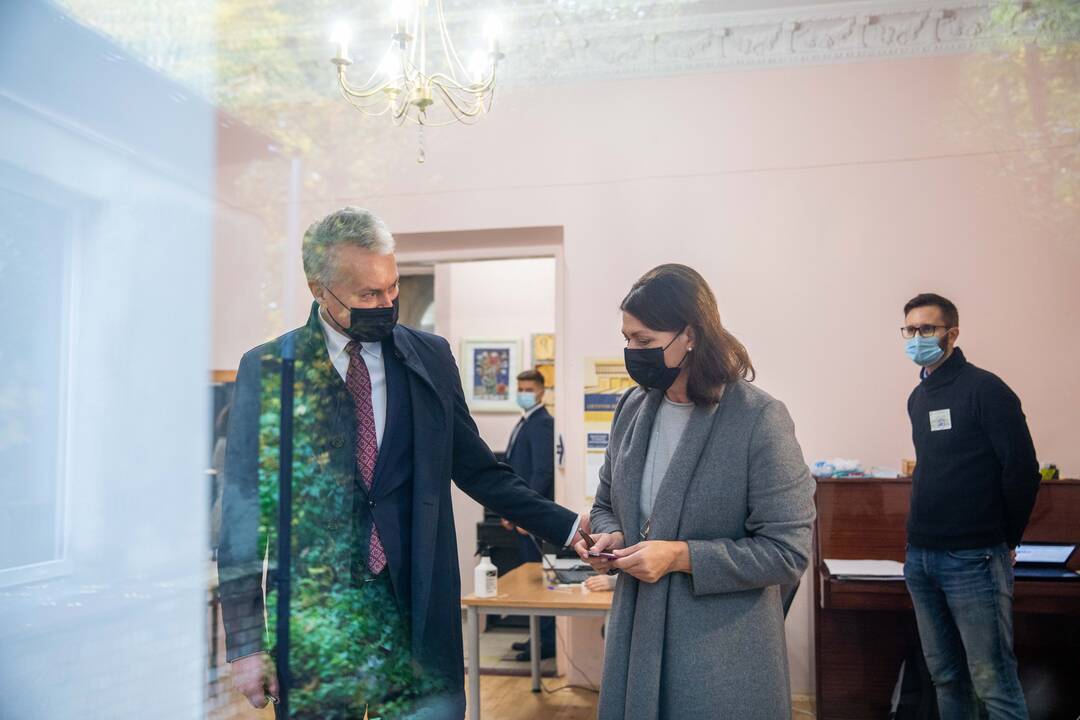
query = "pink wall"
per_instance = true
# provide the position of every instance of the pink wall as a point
(498, 299)
(816, 200)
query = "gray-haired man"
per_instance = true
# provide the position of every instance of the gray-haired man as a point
(381, 427)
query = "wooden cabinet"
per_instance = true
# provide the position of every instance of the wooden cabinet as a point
(864, 629)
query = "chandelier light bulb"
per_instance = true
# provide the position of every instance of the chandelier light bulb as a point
(341, 36)
(402, 9)
(493, 32)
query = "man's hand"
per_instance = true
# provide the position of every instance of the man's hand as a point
(605, 542)
(585, 523)
(1012, 556)
(653, 559)
(254, 677)
(507, 525)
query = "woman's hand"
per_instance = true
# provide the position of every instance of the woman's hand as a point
(601, 583)
(651, 560)
(605, 542)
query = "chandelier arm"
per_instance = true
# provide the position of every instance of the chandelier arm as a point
(364, 91)
(356, 100)
(415, 45)
(368, 113)
(370, 82)
(349, 92)
(469, 105)
(365, 108)
(448, 45)
(421, 40)
(401, 112)
(477, 90)
(452, 103)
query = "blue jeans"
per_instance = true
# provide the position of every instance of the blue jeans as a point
(963, 606)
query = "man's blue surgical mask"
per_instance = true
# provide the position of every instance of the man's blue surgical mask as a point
(527, 400)
(924, 350)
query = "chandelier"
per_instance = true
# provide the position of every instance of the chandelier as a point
(408, 86)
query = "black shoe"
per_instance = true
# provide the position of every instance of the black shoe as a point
(545, 653)
(522, 646)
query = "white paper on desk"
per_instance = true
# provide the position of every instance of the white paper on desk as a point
(866, 569)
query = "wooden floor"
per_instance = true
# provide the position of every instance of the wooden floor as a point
(501, 698)
(512, 698)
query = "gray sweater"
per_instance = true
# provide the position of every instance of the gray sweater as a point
(667, 430)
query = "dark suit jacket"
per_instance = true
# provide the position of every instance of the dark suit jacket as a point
(420, 539)
(532, 456)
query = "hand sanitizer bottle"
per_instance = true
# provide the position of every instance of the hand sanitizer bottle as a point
(486, 576)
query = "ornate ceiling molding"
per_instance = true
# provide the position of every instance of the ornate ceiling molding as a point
(546, 48)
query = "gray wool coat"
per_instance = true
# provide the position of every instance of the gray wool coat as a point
(709, 644)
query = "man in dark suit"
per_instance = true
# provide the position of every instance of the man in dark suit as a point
(531, 453)
(380, 428)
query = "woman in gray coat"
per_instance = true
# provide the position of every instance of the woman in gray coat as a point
(707, 503)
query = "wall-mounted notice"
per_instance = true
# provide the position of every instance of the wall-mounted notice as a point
(605, 382)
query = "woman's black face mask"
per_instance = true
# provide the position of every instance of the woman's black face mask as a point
(647, 367)
(368, 325)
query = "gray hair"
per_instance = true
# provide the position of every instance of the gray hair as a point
(349, 226)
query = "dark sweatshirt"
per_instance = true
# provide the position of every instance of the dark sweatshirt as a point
(976, 475)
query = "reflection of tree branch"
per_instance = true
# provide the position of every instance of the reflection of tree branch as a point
(1025, 98)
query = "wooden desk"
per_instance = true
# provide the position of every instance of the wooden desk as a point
(864, 629)
(524, 591)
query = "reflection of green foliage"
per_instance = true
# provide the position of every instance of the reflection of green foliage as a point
(349, 643)
(1050, 23)
(1025, 95)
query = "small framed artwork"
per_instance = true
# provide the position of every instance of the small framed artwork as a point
(543, 348)
(547, 369)
(489, 371)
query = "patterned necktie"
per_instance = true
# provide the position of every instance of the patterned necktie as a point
(358, 383)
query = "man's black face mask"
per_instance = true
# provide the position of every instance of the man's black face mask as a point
(368, 325)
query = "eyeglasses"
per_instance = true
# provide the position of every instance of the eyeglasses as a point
(909, 331)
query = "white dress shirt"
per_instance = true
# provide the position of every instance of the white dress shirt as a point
(372, 355)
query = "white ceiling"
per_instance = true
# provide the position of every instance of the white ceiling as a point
(267, 61)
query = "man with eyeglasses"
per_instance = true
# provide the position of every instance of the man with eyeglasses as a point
(975, 481)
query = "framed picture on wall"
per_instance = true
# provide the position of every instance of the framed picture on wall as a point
(547, 369)
(489, 371)
(543, 348)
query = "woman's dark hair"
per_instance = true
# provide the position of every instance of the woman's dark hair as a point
(672, 297)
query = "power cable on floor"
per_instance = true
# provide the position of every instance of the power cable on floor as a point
(591, 687)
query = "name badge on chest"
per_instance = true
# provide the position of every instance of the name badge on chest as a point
(940, 420)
